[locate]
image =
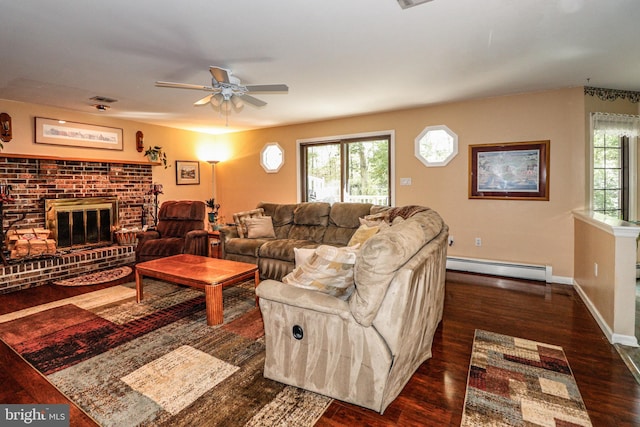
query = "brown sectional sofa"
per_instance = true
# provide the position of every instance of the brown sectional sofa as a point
(300, 225)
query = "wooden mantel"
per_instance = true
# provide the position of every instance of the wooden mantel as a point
(77, 159)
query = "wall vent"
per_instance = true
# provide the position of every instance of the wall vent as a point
(103, 99)
(406, 4)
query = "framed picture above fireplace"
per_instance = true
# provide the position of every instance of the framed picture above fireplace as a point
(187, 172)
(61, 132)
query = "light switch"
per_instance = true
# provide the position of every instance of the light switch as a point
(405, 181)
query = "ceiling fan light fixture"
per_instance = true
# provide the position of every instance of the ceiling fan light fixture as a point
(216, 100)
(237, 102)
(225, 106)
(227, 93)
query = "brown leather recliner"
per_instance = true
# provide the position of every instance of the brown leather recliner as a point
(180, 229)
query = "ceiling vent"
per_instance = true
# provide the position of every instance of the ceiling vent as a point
(103, 99)
(406, 4)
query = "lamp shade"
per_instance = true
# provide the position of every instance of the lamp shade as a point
(237, 102)
(216, 100)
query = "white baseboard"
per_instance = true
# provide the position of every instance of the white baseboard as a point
(563, 280)
(629, 340)
(507, 269)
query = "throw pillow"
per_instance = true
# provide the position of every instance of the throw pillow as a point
(328, 270)
(238, 219)
(259, 227)
(363, 233)
(302, 255)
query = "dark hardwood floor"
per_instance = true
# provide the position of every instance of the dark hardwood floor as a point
(435, 394)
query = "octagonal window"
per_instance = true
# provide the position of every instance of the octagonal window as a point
(272, 157)
(436, 145)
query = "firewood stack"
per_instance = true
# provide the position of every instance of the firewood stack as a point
(30, 242)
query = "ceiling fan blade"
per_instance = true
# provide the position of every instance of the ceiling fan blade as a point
(219, 74)
(184, 86)
(267, 88)
(253, 101)
(204, 100)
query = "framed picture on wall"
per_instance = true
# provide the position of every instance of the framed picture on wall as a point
(187, 172)
(509, 171)
(61, 132)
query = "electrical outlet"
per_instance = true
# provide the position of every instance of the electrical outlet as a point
(405, 181)
(478, 241)
(595, 269)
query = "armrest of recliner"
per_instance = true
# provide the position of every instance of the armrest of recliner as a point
(196, 234)
(196, 242)
(308, 299)
(144, 236)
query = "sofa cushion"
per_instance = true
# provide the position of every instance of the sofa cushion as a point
(281, 217)
(283, 249)
(343, 222)
(246, 247)
(328, 270)
(310, 221)
(382, 255)
(312, 213)
(259, 227)
(239, 217)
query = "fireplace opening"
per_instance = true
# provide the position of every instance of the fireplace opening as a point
(81, 222)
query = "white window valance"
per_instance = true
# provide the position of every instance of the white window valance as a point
(619, 124)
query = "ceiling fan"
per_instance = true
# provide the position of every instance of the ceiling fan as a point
(227, 91)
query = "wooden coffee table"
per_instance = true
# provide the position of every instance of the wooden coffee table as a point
(209, 274)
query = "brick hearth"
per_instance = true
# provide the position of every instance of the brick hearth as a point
(31, 273)
(34, 179)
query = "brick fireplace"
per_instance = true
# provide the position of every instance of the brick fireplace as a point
(34, 180)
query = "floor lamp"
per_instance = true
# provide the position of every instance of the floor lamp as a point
(213, 164)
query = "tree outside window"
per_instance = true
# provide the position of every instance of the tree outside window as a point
(350, 170)
(609, 174)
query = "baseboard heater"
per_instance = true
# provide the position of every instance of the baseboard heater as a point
(499, 268)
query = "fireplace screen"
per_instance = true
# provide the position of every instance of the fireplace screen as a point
(83, 221)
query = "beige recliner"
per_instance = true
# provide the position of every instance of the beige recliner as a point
(363, 350)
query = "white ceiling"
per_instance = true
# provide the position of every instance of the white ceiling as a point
(338, 57)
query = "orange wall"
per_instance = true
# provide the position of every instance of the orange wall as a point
(537, 232)
(178, 144)
(594, 246)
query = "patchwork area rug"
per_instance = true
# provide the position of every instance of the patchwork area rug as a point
(517, 382)
(157, 362)
(96, 278)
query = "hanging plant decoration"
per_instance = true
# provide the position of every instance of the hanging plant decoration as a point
(155, 154)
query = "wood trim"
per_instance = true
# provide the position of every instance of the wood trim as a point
(78, 159)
